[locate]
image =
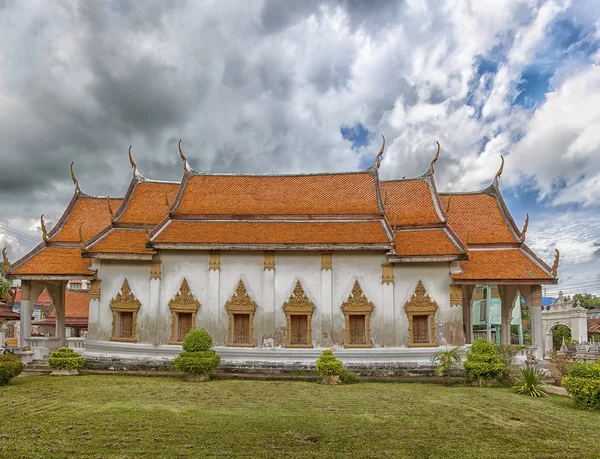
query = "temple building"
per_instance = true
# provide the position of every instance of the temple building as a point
(279, 267)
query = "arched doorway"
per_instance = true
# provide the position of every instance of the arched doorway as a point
(560, 332)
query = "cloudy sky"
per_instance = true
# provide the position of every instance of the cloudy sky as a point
(273, 86)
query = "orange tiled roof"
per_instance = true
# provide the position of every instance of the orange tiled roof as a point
(409, 202)
(330, 194)
(196, 232)
(55, 261)
(77, 304)
(91, 214)
(424, 242)
(120, 240)
(148, 201)
(500, 264)
(480, 216)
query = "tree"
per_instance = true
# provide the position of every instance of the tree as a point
(587, 300)
(4, 282)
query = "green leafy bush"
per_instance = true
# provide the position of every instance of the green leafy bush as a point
(66, 359)
(328, 364)
(483, 362)
(197, 340)
(348, 377)
(583, 383)
(446, 360)
(529, 382)
(10, 366)
(197, 358)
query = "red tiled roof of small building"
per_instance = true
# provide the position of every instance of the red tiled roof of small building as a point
(210, 232)
(91, 214)
(77, 305)
(327, 194)
(425, 242)
(409, 202)
(147, 202)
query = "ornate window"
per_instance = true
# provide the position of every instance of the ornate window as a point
(125, 307)
(357, 310)
(241, 309)
(183, 308)
(298, 312)
(421, 318)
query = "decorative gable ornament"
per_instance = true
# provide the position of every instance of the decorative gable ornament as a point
(298, 302)
(357, 301)
(241, 301)
(125, 300)
(184, 300)
(420, 302)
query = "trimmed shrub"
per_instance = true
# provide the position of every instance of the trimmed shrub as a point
(348, 377)
(583, 383)
(10, 366)
(529, 382)
(197, 340)
(483, 362)
(66, 359)
(328, 364)
(197, 358)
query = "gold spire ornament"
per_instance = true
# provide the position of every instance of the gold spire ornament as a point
(555, 265)
(435, 158)
(131, 161)
(44, 232)
(524, 230)
(5, 260)
(183, 157)
(380, 154)
(499, 173)
(110, 209)
(75, 181)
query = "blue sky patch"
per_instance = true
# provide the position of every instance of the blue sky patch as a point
(356, 134)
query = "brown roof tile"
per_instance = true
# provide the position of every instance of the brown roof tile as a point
(121, 240)
(332, 194)
(77, 304)
(91, 214)
(500, 264)
(148, 202)
(195, 232)
(480, 216)
(409, 202)
(55, 261)
(424, 242)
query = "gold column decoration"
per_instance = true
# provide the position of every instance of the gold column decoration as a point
(456, 296)
(269, 261)
(214, 262)
(536, 296)
(358, 304)
(240, 303)
(26, 290)
(298, 304)
(326, 261)
(125, 301)
(155, 270)
(95, 286)
(183, 301)
(387, 273)
(420, 304)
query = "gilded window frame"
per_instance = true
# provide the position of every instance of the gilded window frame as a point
(183, 302)
(298, 305)
(124, 301)
(421, 304)
(240, 303)
(358, 304)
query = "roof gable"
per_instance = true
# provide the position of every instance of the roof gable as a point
(89, 213)
(410, 202)
(145, 202)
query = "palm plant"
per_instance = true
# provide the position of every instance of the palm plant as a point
(446, 360)
(529, 382)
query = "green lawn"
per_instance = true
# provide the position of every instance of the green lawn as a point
(124, 416)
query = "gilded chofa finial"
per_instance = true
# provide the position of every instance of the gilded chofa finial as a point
(499, 173)
(555, 265)
(44, 232)
(81, 241)
(380, 154)
(183, 158)
(435, 158)
(5, 260)
(131, 161)
(75, 181)
(110, 209)
(524, 230)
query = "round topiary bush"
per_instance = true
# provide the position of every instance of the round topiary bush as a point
(197, 340)
(197, 358)
(483, 362)
(66, 359)
(10, 366)
(328, 364)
